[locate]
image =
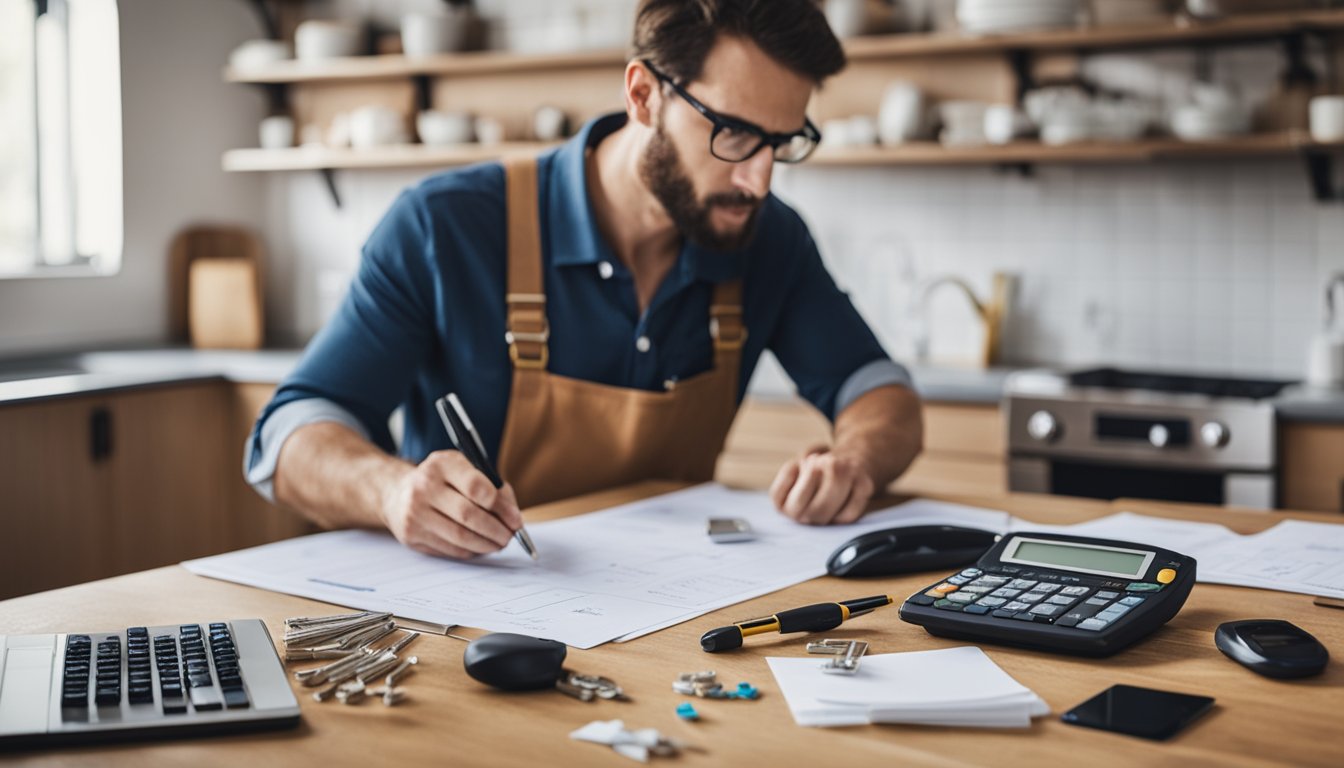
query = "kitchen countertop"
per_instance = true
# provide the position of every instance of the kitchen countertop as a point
(74, 374)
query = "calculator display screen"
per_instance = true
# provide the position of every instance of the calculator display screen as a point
(1085, 558)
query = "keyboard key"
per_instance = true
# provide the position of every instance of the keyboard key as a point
(206, 699)
(1098, 600)
(971, 572)
(174, 705)
(108, 696)
(958, 580)
(1143, 586)
(235, 698)
(974, 590)
(992, 581)
(1067, 621)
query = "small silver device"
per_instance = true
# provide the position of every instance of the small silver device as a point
(725, 530)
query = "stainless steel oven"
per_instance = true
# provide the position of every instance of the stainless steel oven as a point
(1107, 433)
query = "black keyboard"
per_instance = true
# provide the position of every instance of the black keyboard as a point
(140, 682)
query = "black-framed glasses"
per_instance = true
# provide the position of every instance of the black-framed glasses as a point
(735, 141)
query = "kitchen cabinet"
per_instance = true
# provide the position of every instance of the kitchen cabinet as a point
(1311, 458)
(123, 481)
(964, 446)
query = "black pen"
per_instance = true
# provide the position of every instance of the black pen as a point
(464, 436)
(809, 618)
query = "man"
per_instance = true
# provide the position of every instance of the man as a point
(598, 310)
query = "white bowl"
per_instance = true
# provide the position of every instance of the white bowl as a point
(316, 40)
(428, 34)
(258, 54)
(376, 126)
(439, 129)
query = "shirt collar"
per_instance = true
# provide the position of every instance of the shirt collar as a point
(571, 227)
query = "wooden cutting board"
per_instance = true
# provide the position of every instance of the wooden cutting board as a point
(215, 287)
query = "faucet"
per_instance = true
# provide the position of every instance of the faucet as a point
(992, 314)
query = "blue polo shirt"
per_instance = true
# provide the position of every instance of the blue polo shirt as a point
(425, 315)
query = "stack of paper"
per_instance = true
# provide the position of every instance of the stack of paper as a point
(954, 686)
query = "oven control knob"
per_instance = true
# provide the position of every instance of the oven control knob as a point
(1159, 436)
(1043, 426)
(1214, 434)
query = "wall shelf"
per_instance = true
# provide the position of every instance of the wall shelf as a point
(398, 156)
(1231, 29)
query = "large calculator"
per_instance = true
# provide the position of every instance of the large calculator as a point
(1053, 592)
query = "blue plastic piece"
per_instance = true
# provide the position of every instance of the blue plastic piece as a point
(687, 712)
(744, 691)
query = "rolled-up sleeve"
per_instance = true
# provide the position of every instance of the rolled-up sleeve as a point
(824, 344)
(362, 363)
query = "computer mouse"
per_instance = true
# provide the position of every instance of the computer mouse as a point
(514, 662)
(1272, 647)
(908, 550)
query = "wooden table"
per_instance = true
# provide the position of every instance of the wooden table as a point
(452, 720)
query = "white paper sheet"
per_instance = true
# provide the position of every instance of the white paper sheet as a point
(634, 568)
(953, 686)
(1293, 556)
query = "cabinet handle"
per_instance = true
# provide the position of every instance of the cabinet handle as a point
(100, 434)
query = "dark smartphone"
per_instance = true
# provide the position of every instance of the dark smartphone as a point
(1144, 712)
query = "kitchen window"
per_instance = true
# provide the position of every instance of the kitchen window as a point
(60, 138)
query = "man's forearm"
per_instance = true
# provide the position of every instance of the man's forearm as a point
(883, 429)
(335, 477)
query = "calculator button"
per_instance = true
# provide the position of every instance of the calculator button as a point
(1093, 624)
(1022, 584)
(1046, 610)
(1075, 591)
(947, 605)
(920, 600)
(1047, 586)
(1131, 601)
(962, 597)
(1006, 592)
(993, 581)
(1067, 621)
(1017, 606)
(1113, 613)
(1108, 595)
(975, 609)
(976, 590)
(1143, 586)
(971, 573)
(958, 580)
(1024, 617)
(1032, 597)
(1098, 601)
(1061, 600)
(1003, 613)
(992, 602)
(944, 587)
(1166, 576)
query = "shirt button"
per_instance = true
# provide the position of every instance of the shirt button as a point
(605, 269)
(643, 344)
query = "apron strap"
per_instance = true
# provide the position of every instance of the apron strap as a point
(527, 331)
(725, 318)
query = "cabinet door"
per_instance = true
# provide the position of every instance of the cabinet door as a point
(1311, 458)
(252, 519)
(169, 496)
(54, 480)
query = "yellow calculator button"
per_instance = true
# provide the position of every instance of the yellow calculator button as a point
(1166, 576)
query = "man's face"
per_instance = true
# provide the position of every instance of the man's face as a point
(714, 203)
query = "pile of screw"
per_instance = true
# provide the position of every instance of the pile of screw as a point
(348, 640)
(706, 685)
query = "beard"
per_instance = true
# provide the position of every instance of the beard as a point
(661, 171)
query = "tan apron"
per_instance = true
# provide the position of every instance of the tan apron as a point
(565, 437)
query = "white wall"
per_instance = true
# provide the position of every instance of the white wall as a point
(178, 117)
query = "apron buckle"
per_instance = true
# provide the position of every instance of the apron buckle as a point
(726, 343)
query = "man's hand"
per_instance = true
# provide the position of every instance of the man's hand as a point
(822, 488)
(445, 506)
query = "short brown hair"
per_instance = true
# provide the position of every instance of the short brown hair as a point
(676, 35)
